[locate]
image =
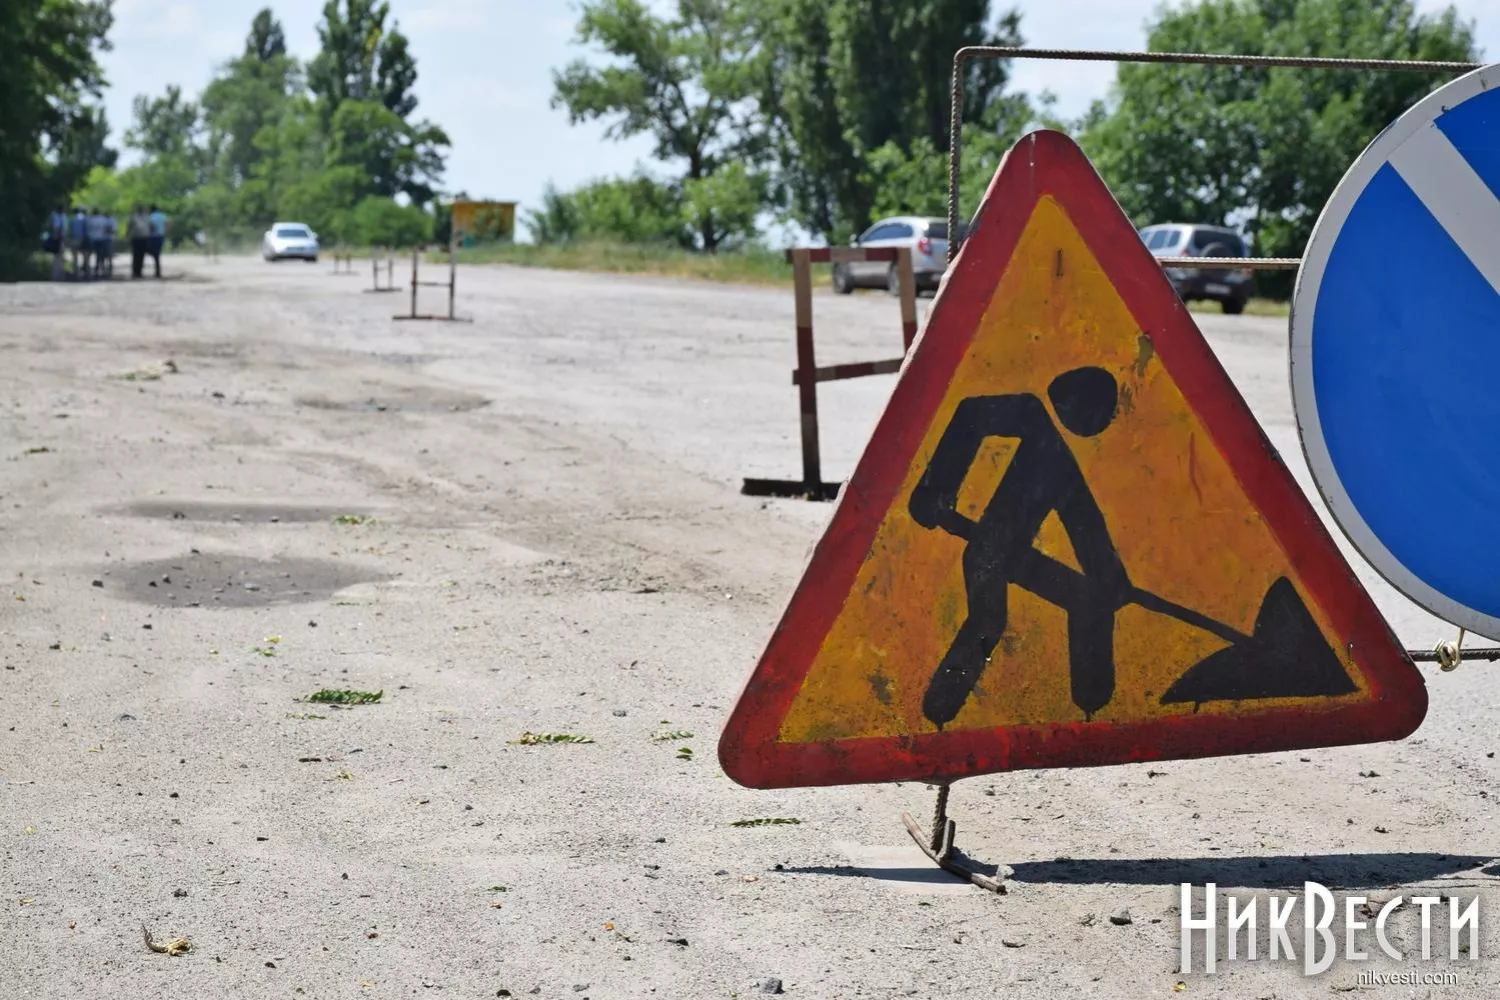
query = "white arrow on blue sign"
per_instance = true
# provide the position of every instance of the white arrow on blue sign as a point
(1395, 353)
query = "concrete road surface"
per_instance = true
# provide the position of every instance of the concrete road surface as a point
(531, 523)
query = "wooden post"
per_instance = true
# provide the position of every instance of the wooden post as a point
(807, 388)
(908, 297)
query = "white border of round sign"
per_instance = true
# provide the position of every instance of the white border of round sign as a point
(1325, 234)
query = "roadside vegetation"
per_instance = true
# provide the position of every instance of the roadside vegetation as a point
(821, 114)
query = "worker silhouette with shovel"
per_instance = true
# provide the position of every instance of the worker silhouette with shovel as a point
(1286, 656)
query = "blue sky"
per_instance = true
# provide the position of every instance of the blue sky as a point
(485, 71)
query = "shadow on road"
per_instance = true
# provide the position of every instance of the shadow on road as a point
(1335, 871)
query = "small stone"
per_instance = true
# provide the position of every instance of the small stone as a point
(100, 583)
(580, 987)
(172, 795)
(55, 645)
(722, 871)
(502, 993)
(620, 713)
(1088, 919)
(270, 965)
(661, 840)
(1381, 829)
(179, 893)
(1121, 917)
(127, 717)
(680, 942)
(275, 519)
(147, 626)
(1012, 943)
(770, 984)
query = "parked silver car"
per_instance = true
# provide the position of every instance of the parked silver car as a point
(1230, 288)
(926, 238)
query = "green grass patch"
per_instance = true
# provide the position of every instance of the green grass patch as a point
(768, 821)
(684, 753)
(672, 736)
(530, 739)
(755, 266)
(353, 519)
(343, 696)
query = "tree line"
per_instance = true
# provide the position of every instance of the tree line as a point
(335, 142)
(823, 113)
(832, 113)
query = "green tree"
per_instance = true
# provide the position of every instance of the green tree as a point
(394, 156)
(247, 95)
(1261, 149)
(848, 78)
(689, 82)
(50, 128)
(638, 209)
(379, 221)
(267, 40)
(361, 59)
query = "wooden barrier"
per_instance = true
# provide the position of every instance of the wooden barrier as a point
(807, 374)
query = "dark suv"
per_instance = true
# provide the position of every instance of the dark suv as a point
(1229, 288)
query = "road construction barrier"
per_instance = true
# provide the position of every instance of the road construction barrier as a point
(451, 285)
(343, 261)
(807, 374)
(381, 259)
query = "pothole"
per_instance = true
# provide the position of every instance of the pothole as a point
(229, 581)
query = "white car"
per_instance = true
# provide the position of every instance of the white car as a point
(289, 239)
(926, 238)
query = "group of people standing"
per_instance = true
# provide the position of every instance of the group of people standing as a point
(89, 236)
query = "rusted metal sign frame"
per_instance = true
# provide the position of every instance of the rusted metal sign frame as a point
(451, 284)
(378, 255)
(807, 374)
(956, 116)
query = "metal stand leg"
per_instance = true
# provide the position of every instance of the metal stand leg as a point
(938, 844)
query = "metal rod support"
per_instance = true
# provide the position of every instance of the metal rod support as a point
(1215, 59)
(1490, 654)
(1234, 263)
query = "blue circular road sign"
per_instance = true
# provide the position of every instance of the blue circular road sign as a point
(1395, 353)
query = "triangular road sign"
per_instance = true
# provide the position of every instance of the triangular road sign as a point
(1068, 541)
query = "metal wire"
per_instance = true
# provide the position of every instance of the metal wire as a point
(1214, 59)
(1234, 263)
(963, 55)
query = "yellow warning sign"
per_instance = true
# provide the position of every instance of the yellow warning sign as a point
(1066, 543)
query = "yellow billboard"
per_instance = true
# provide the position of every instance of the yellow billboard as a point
(483, 221)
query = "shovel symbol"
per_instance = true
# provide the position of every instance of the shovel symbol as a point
(1284, 656)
